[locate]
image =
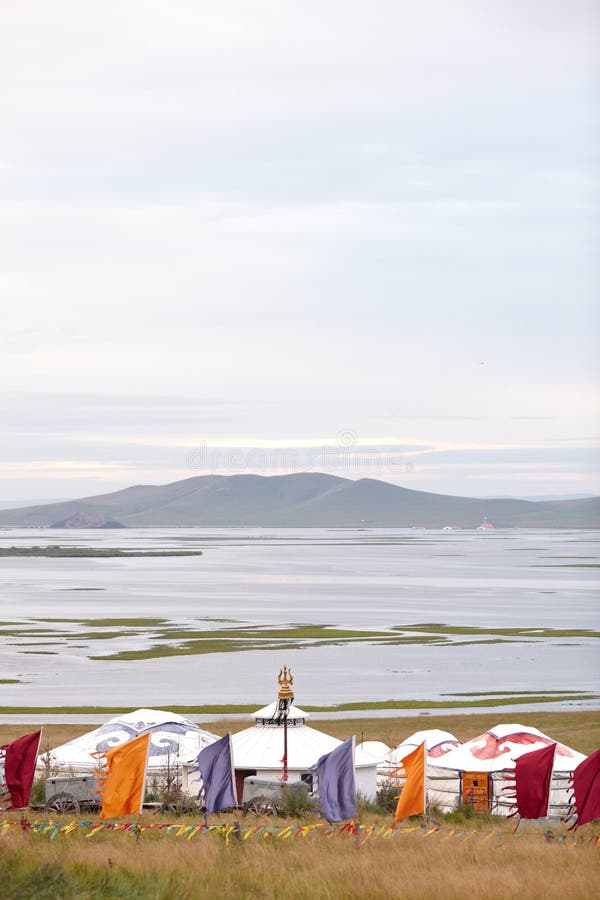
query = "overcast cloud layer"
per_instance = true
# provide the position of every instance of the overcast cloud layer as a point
(267, 236)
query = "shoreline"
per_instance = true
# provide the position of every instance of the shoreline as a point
(91, 718)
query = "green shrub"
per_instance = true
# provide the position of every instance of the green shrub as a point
(365, 805)
(46, 768)
(466, 812)
(38, 791)
(387, 796)
(462, 813)
(296, 801)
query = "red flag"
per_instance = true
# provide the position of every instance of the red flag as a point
(20, 758)
(586, 784)
(533, 774)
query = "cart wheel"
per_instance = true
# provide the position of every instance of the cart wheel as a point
(260, 806)
(179, 806)
(63, 803)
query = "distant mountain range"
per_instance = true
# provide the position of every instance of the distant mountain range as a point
(310, 500)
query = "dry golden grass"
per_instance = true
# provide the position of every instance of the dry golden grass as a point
(54, 735)
(580, 730)
(162, 866)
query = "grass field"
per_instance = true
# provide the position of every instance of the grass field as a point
(579, 730)
(161, 866)
(484, 858)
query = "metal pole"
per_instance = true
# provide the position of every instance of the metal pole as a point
(284, 776)
(285, 699)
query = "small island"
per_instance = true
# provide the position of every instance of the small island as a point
(57, 551)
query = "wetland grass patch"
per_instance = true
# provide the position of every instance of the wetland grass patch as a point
(166, 638)
(244, 638)
(108, 622)
(532, 632)
(487, 702)
(60, 552)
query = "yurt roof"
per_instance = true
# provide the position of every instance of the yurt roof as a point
(438, 743)
(272, 712)
(498, 748)
(172, 736)
(261, 747)
(371, 752)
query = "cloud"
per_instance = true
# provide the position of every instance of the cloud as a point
(275, 219)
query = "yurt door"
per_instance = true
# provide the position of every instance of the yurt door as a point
(240, 774)
(476, 790)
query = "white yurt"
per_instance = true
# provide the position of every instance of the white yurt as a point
(437, 744)
(483, 768)
(172, 736)
(374, 751)
(259, 750)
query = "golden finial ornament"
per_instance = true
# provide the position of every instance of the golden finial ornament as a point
(285, 680)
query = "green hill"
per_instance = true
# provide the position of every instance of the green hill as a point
(301, 500)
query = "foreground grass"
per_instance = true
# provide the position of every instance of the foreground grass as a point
(484, 859)
(163, 867)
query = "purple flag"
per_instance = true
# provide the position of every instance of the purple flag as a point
(533, 775)
(336, 785)
(216, 768)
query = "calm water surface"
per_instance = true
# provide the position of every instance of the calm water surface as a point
(355, 579)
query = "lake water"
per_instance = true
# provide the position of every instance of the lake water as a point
(354, 579)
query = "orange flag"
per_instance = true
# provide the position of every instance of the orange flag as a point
(412, 799)
(121, 782)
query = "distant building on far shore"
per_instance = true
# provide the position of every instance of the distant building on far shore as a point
(485, 525)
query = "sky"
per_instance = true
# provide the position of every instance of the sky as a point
(355, 237)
